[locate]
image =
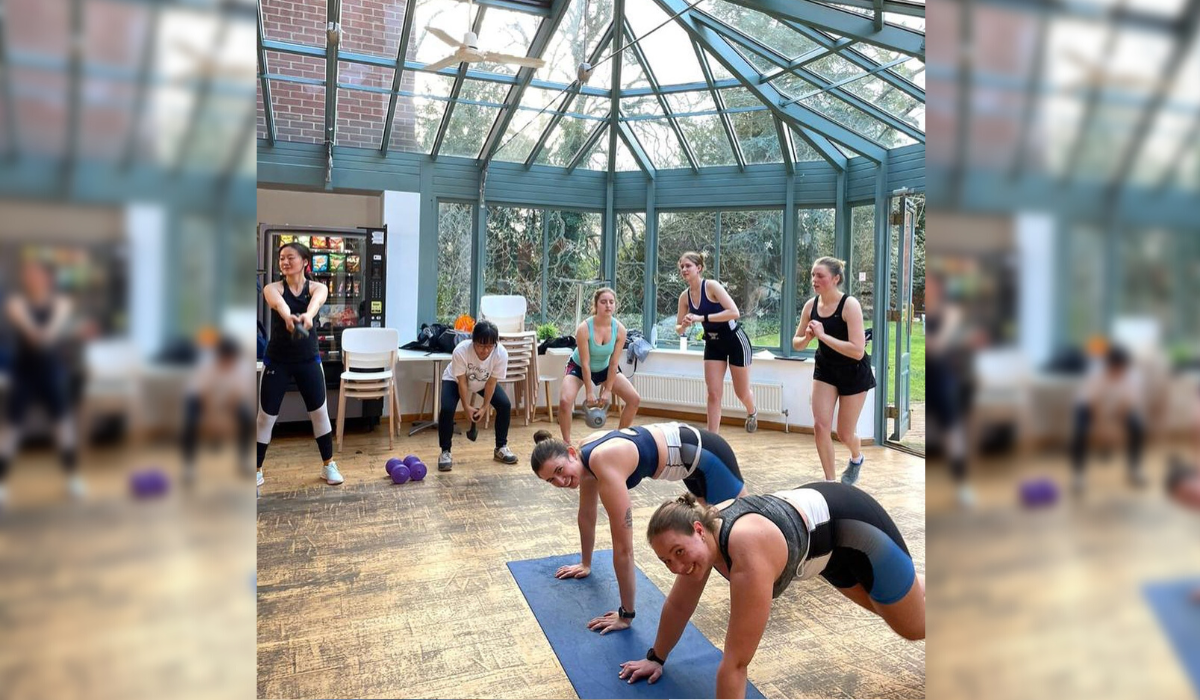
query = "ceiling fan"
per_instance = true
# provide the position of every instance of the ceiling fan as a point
(467, 51)
(1098, 76)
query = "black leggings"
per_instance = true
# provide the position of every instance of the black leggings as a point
(193, 408)
(310, 380)
(1083, 428)
(45, 384)
(450, 401)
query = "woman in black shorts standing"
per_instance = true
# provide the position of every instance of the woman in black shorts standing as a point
(292, 355)
(725, 342)
(843, 368)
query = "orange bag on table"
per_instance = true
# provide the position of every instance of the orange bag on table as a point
(464, 323)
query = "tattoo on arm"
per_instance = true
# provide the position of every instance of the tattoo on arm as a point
(629, 518)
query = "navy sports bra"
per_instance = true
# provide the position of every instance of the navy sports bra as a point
(647, 450)
(707, 307)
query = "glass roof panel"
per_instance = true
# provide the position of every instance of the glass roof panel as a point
(687, 102)
(296, 21)
(755, 129)
(1106, 141)
(360, 117)
(299, 111)
(755, 24)
(1163, 142)
(707, 138)
(598, 158)
(660, 143)
(566, 140)
(590, 105)
(484, 91)
(718, 70)
(418, 116)
(372, 28)
(870, 89)
(506, 31)
(802, 152)
(469, 126)
(668, 49)
(528, 123)
(575, 39)
(361, 75)
(170, 108)
(641, 105)
(107, 116)
(218, 131)
(625, 162)
(632, 75)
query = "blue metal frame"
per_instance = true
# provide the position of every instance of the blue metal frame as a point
(842, 22)
(688, 153)
(537, 47)
(459, 77)
(572, 93)
(145, 72)
(410, 10)
(719, 101)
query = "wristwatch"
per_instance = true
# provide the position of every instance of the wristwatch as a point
(706, 318)
(625, 614)
(651, 656)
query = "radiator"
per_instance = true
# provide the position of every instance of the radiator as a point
(672, 390)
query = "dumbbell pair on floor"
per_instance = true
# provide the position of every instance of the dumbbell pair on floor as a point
(401, 470)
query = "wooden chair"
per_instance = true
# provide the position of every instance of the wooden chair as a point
(370, 349)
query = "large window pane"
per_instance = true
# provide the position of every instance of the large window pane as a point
(752, 271)
(862, 264)
(679, 232)
(814, 238)
(575, 254)
(514, 256)
(454, 261)
(631, 268)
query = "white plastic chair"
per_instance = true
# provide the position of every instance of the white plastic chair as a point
(506, 311)
(114, 377)
(362, 349)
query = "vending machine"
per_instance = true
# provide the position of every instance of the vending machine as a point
(351, 262)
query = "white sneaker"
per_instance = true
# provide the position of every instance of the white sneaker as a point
(75, 487)
(332, 476)
(259, 478)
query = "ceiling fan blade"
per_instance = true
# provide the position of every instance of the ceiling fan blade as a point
(446, 62)
(444, 36)
(526, 61)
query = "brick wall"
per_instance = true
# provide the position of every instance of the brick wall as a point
(369, 27)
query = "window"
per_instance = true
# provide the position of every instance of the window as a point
(631, 268)
(814, 238)
(751, 263)
(574, 243)
(454, 261)
(514, 256)
(679, 232)
(862, 263)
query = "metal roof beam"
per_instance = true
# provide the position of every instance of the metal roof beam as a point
(825, 148)
(455, 90)
(588, 144)
(6, 93)
(739, 67)
(1091, 102)
(662, 100)
(146, 71)
(783, 133)
(1129, 17)
(842, 23)
(614, 106)
(859, 59)
(333, 41)
(719, 101)
(572, 93)
(812, 56)
(74, 86)
(537, 47)
(635, 147)
(820, 82)
(410, 10)
(1190, 141)
(898, 7)
(1032, 89)
(199, 103)
(1173, 66)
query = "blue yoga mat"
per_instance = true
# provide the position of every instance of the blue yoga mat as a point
(592, 662)
(1180, 617)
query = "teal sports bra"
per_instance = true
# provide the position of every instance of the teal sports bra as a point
(598, 355)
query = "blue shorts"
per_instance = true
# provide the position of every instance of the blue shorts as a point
(598, 378)
(717, 477)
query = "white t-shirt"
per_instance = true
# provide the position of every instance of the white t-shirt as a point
(478, 371)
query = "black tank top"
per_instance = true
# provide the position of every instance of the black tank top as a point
(282, 348)
(28, 355)
(707, 307)
(835, 326)
(787, 519)
(647, 450)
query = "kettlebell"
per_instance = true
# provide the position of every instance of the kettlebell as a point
(596, 415)
(299, 332)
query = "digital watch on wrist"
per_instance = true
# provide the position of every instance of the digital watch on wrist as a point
(626, 614)
(651, 656)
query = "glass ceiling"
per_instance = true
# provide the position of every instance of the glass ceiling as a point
(679, 101)
(1103, 91)
(162, 84)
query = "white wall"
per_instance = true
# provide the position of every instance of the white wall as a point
(146, 232)
(401, 213)
(286, 207)
(1035, 232)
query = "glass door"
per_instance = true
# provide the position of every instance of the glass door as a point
(902, 225)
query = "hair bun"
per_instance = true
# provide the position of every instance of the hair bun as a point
(541, 435)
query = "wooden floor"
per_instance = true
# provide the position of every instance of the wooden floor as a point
(116, 598)
(1048, 603)
(370, 589)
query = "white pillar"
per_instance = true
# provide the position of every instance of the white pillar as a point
(1035, 232)
(146, 233)
(402, 216)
